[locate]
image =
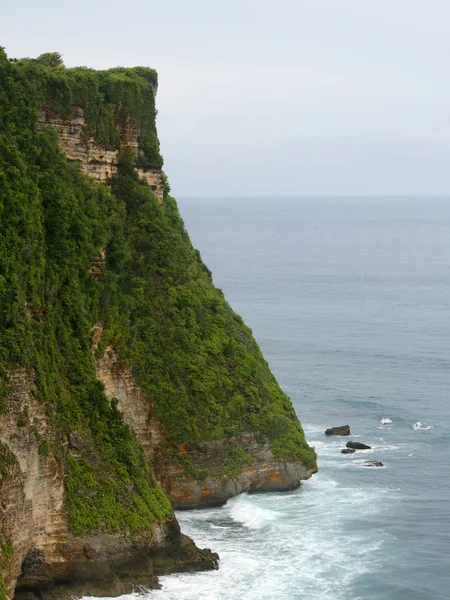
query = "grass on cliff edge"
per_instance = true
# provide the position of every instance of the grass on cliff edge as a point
(191, 353)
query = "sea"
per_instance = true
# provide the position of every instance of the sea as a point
(349, 299)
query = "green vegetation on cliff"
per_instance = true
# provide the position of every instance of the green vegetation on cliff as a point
(2, 589)
(190, 352)
(7, 463)
(53, 222)
(109, 98)
(5, 555)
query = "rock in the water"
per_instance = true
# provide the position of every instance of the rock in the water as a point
(347, 450)
(341, 430)
(373, 463)
(358, 446)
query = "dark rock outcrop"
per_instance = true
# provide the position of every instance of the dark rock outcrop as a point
(358, 446)
(347, 450)
(112, 565)
(340, 430)
(373, 463)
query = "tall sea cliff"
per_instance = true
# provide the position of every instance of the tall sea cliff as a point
(128, 386)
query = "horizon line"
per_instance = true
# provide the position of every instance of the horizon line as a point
(312, 196)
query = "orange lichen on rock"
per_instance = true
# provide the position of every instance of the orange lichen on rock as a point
(275, 476)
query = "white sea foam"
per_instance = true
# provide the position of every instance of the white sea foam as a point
(419, 427)
(381, 448)
(299, 558)
(328, 448)
(251, 516)
(286, 545)
(386, 421)
(324, 483)
(280, 546)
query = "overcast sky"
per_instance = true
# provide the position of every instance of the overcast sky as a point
(274, 98)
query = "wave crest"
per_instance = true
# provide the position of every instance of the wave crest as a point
(418, 426)
(249, 515)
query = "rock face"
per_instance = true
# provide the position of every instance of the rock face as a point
(112, 565)
(263, 474)
(340, 430)
(347, 451)
(32, 510)
(184, 491)
(33, 516)
(358, 446)
(97, 161)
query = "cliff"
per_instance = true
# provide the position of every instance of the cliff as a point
(126, 379)
(95, 159)
(45, 552)
(197, 473)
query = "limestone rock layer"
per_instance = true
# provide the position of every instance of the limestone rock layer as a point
(33, 516)
(96, 160)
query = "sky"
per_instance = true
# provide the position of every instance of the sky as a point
(285, 98)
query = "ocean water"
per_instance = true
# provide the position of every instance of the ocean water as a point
(349, 299)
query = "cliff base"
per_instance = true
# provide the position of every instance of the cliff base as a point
(107, 565)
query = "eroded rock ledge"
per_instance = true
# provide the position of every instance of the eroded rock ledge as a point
(214, 485)
(112, 565)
